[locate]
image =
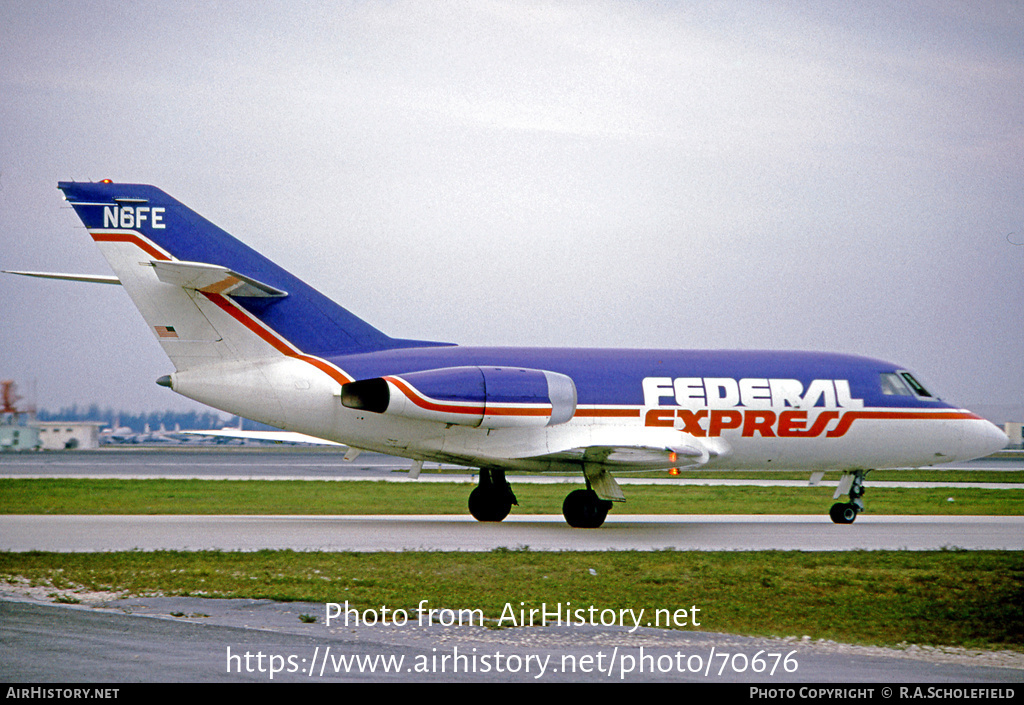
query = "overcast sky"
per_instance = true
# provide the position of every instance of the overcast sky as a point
(831, 176)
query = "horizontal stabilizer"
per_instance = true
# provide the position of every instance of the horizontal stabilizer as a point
(212, 279)
(91, 278)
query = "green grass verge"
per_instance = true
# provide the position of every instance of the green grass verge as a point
(923, 475)
(957, 598)
(74, 496)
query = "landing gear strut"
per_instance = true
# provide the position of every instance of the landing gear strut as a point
(583, 509)
(492, 499)
(845, 513)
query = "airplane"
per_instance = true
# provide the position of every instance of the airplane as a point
(246, 337)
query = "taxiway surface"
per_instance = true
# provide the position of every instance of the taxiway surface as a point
(78, 533)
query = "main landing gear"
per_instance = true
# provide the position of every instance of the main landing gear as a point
(492, 499)
(846, 512)
(583, 509)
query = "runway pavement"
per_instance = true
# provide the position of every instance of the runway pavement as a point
(542, 533)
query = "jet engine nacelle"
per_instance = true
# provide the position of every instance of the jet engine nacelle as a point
(484, 397)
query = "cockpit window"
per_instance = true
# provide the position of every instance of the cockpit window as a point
(902, 384)
(893, 385)
(915, 385)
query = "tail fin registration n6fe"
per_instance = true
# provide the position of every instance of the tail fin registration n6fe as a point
(249, 338)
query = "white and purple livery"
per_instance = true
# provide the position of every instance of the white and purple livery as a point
(249, 338)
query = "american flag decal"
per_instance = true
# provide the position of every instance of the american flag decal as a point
(166, 332)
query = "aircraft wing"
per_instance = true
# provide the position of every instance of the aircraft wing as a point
(623, 454)
(644, 457)
(636, 458)
(275, 436)
(625, 448)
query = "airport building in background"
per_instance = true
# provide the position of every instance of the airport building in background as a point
(67, 435)
(1014, 431)
(15, 437)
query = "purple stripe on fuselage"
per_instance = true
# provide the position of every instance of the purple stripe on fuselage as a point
(614, 376)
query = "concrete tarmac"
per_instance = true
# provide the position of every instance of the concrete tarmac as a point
(543, 533)
(196, 640)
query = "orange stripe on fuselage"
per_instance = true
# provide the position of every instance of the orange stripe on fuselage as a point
(609, 412)
(850, 416)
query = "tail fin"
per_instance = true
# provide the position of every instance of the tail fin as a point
(206, 296)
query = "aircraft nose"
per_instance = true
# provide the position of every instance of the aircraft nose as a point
(983, 438)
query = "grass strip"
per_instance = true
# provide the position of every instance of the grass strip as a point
(921, 475)
(78, 496)
(954, 598)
